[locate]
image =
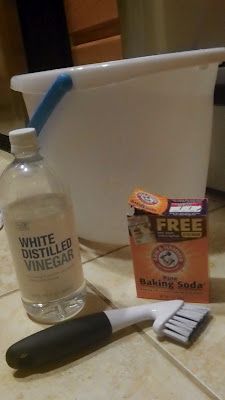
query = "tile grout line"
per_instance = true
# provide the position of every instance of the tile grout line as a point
(154, 342)
(186, 371)
(105, 254)
(8, 293)
(101, 295)
(164, 352)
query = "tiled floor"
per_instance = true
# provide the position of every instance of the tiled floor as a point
(128, 367)
(112, 276)
(134, 365)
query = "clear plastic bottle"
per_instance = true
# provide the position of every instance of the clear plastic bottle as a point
(39, 223)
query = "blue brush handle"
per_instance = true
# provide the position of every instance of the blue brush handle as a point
(59, 88)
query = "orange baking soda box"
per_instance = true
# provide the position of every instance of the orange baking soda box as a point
(169, 246)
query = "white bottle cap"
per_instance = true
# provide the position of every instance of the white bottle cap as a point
(24, 139)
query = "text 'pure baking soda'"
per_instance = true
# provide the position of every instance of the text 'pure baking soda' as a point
(39, 223)
(169, 247)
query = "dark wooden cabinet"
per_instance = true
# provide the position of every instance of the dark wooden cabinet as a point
(94, 30)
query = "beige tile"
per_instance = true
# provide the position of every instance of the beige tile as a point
(5, 159)
(4, 155)
(91, 250)
(205, 358)
(128, 367)
(7, 275)
(112, 275)
(216, 199)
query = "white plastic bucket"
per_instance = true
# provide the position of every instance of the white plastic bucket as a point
(142, 122)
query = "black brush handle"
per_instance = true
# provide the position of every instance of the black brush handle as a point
(59, 341)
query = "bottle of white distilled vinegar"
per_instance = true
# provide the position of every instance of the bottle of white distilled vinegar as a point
(39, 223)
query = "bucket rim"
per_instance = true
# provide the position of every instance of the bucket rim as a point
(109, 72)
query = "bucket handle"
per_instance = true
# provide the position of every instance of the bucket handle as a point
(62, 84)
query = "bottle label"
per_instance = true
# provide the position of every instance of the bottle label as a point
(46, 255)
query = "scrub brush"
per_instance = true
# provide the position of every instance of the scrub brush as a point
(173, 318)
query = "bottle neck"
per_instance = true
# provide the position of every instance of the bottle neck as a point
(28, 155)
